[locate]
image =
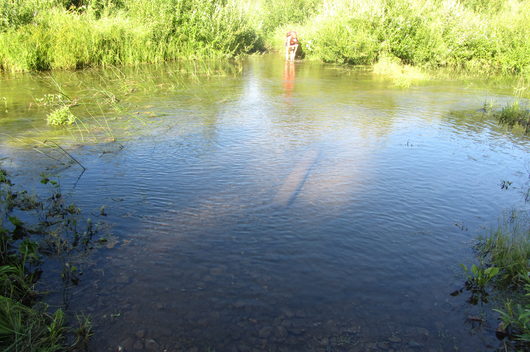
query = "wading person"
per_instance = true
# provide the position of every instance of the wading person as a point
(291, 45)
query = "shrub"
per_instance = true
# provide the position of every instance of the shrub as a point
(128, 32)
(276, 13)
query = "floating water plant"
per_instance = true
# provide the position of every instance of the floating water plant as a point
(61, 117)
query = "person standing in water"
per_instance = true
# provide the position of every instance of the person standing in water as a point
(291, 45)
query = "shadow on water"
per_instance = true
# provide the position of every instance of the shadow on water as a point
(285, 207)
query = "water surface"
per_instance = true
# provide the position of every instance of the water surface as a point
(272, 206)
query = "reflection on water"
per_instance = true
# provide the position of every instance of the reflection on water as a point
(267, 210)
(289, 76)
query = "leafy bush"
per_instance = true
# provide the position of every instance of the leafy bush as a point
(348, 42)
(421, 33)
(280, 12)
(128, 32)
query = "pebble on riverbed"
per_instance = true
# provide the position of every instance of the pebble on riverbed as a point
(151, 345)
(140, 334)
(138, 345)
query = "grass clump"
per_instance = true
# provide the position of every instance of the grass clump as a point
(508, 248)
(50, 228)
(514, 114)
(402, 75)
(30, 329)
(61, 117)
(504, 268)
(516, 319)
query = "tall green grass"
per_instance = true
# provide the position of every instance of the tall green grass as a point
(125, 32)
(515, 114)
(477, 35)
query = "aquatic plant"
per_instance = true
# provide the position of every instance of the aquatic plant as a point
(402, 75)
(514, 114)
(516, 318)
(61, 117)
(504, 256)
(479, 277)
(26, 324)
(508, 248)
(53, 100)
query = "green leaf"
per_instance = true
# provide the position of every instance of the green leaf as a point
(474, 270)
(492, 271)
(15, 221)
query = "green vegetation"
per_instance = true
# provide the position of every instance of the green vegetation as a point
(277, 13)
(480, 35)
(514, 114)
(478, 278)
(476, 35)
(50, 228)
(402, 75)
(504, 268)
(61, 117)
(76, 34)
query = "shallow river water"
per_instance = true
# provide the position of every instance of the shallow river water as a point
(275, 207)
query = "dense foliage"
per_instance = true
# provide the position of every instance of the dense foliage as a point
(48, 34)
(480, 35)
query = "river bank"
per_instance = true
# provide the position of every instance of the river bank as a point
(481, 36)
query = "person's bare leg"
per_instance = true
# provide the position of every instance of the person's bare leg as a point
(293, 52)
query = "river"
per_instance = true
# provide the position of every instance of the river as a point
(274, 207)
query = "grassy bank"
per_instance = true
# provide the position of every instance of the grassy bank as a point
(476, 35)
(31, 230)
(54, 34)
(479, 35)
